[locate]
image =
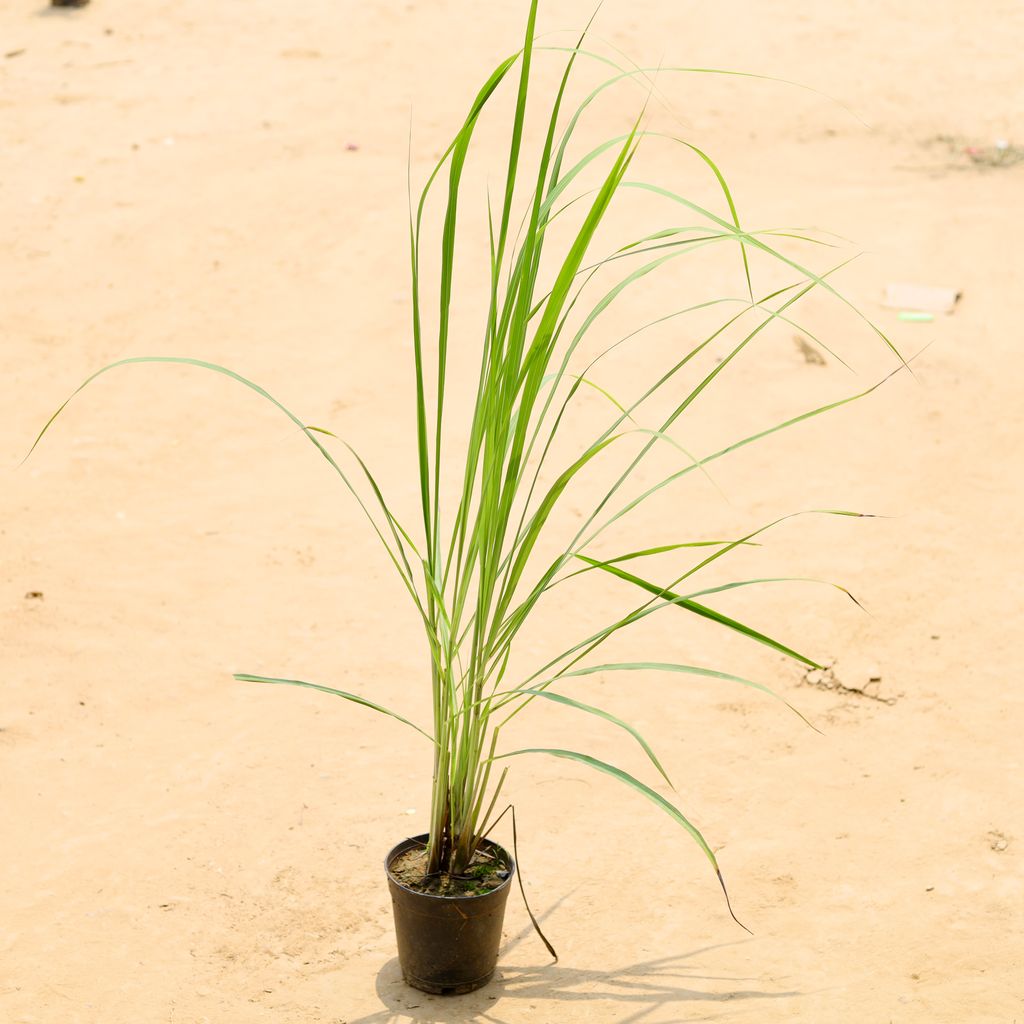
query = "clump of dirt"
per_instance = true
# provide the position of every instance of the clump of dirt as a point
(998, 841)
(487, 871)
(863, 681)
(964, 153)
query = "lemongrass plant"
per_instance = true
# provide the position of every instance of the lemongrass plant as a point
(473, 572)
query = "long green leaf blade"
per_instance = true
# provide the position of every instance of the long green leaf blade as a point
(701, 610)
(246, 677)
(656, 798)
(561, 698)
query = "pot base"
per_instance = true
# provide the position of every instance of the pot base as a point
(446, 990)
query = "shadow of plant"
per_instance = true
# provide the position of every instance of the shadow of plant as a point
(641, 989)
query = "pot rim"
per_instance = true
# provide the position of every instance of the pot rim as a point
(421, 840)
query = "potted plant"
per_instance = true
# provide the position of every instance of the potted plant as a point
(473, 567)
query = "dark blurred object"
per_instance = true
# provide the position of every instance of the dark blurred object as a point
(68, 3)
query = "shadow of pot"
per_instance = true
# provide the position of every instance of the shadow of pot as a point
(447, 945)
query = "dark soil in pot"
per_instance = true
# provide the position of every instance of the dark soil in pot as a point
(448, 928)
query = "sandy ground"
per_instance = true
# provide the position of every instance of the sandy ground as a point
(227, 182)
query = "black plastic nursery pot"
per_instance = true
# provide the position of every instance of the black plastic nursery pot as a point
(447, 945)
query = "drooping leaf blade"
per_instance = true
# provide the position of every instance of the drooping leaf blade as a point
(644, 790)
(246, 677)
